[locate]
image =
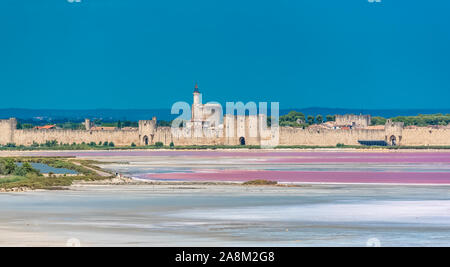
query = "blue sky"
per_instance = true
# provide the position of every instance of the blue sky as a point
(149, 54)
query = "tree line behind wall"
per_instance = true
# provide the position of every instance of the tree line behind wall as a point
(420, 120)
(292, 119)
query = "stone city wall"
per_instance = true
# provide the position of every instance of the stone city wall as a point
(118, 137)
(230, 134)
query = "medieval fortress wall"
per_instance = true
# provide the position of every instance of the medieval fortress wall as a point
(150, 134)
(119, 137)
(325, 137)
(425, 136)
(234, 130)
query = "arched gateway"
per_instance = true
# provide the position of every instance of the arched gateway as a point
(242, 141)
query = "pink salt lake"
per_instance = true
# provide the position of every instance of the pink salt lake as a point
(418, 167)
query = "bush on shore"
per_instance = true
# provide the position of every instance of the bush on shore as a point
(260, 182)
(25, 176)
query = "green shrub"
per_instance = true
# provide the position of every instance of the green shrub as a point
(25, 170)
(11, 179)
(7, 166)
(159, 144)
(260, 182)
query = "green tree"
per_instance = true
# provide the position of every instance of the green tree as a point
(25, 169)
(8, 166)
(292, 119)
(319, 119)
(310, 119)
(331, 118)
(378, 121)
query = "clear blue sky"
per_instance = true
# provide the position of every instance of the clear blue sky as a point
(149, 54)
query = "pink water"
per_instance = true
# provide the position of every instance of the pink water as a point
(311, 177)
(275, 156)
(417, 167)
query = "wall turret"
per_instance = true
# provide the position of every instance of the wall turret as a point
(7, 129)
(87, 124)
(394, 132)
(147, 130)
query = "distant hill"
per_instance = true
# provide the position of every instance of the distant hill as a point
(386, 113)
(164, 114)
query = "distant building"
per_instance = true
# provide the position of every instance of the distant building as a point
(45, 127)
(354, 121)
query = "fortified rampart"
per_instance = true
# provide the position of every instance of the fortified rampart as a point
(425, 136)
(119, 137)
(327, 137)
(237, 130)
(233, 130)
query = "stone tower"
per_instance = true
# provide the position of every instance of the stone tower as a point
(394, 132)
(87, 124)
(197, 105)
(147, 130)
(7, 128)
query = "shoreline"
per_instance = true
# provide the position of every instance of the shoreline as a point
(6, 153)
(137, 181)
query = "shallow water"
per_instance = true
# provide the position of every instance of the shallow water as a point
(283, 166)
(370, 207)
(44, 168)
(318, 215)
